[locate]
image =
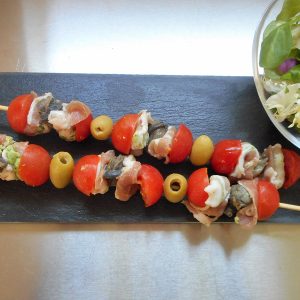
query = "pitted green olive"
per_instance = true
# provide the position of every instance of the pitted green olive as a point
(175, 186)
(61, 169)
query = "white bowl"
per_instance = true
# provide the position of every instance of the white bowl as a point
(270, 14)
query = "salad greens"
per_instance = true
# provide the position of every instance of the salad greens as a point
(280, 58)
(281, 37)
(276, 46)
(289, 9)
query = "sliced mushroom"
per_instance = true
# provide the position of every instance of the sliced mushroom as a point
(114, 168)
(239, 198)
(157, 130)
(54, 104)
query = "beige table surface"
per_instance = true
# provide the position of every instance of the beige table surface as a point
(140, 261)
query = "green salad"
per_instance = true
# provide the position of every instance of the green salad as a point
(280, 58)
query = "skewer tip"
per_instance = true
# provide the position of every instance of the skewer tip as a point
(289, 206)
(3, 108)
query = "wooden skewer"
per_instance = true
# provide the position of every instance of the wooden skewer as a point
(4, 108)
(289, 206)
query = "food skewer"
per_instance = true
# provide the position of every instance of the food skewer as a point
(94, 174)
(31, 114)
(133, 132)
(247, 201)
(289, 206)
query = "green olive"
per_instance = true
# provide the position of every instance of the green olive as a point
(61, 169)
(175, 186)
(202, 150)
(101, 127)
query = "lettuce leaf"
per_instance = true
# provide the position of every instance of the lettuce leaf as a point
(289, 9)
(276, 46)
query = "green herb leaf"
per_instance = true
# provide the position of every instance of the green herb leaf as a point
(273, 25)
(276, 46)
(289, 9)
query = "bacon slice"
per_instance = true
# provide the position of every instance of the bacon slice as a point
(60, 119)
(247, 216)
(206, 215)
(141, 136)
(2, 138)
(77, 111)
(127, 183)
(20, 147)
(101, 184)
(70, 115)
(161, 147)
(38, 104)
(63, 121)
(8, 174)
(35, 125)
(274, 171)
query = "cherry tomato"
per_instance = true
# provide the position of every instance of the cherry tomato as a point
(268, 199)
(291, 167)
(85, 172)
(82, 129)
(123, 131)
(226, 156)
(34, 165)
(151, 183)
(182, 144)
(197, 182)
(17, 112)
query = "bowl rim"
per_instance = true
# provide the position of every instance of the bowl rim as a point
(257, 77)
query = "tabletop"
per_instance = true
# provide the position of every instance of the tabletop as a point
(139, 261)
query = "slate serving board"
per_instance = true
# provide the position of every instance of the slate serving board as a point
(222, 107)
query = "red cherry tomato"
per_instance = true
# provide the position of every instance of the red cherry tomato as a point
(268, 199)
(291, 167)
(17, 112)
(182, 145)
(85, 172)
(82, 129)
(226, 155)
(197, 182)
(34, 165)
(123, 131)
(151, 183)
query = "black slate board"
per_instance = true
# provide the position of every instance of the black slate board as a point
(222, 107)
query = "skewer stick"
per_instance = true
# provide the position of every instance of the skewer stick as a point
(289, 206)
(4, 108)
